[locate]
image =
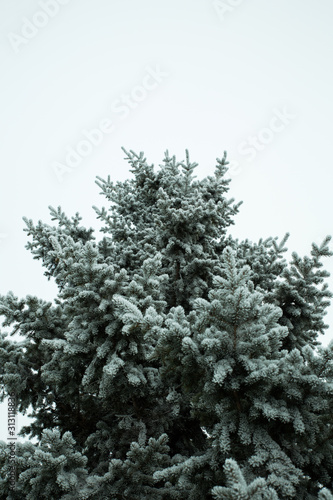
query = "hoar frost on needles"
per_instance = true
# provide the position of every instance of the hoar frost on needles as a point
(176, 361)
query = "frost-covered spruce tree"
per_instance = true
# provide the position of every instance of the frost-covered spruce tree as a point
(176, 362)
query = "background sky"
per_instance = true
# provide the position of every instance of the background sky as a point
(80, 79)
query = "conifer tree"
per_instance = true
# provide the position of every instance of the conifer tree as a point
(176, 361)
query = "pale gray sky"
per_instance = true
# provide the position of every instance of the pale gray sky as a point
(248, 76)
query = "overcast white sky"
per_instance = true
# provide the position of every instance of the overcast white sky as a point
(251, 77)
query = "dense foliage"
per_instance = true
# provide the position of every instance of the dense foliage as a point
(176, 361)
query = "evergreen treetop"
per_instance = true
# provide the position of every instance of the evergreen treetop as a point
(176, 362)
